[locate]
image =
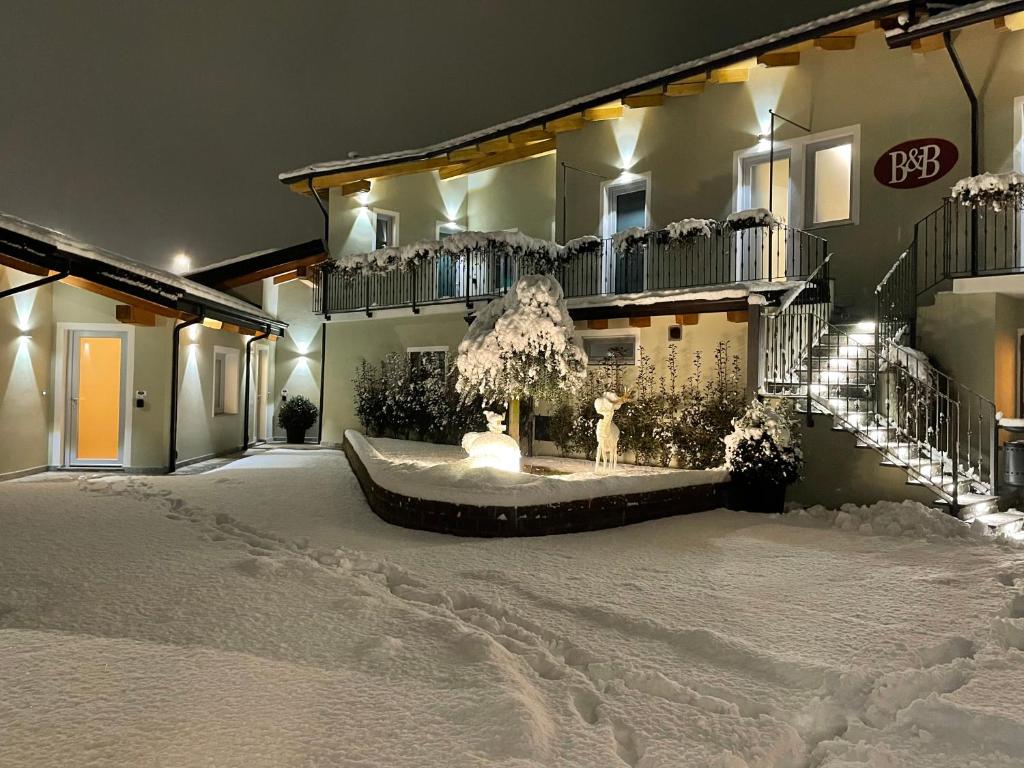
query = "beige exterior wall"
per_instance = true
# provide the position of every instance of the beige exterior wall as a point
(517, 196)
(349, 342)
(297, 355)
(25, 389)
(688, 144)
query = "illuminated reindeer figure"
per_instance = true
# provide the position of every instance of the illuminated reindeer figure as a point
(607, 432)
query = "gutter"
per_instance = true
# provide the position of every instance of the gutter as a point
(172, 449)
(951, 21)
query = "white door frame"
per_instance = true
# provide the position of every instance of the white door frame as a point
(623, 184)
(61, 388)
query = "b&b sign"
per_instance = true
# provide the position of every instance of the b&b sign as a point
(915, 163)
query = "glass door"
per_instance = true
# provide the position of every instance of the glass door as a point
(761, 253)
(627, 209)
(96, 409)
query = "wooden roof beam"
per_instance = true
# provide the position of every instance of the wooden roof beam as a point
(649, 98)
(273, 271)
(684, 89)
(493, 146)
(779, 59)
(836, 42)
(928, 44)
(563, 124)
(1011, 21)
(529, 135)
(516, 153)
(23, 266)
(465, 154)
(613, 110)
(355, 187)
(379, 172)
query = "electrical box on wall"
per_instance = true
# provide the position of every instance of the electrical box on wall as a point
(140, 398)
(675, 333)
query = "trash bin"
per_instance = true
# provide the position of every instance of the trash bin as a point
(1014, 452)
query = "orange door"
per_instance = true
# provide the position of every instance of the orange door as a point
(97, 399)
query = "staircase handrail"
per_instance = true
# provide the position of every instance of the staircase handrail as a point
(791, 295)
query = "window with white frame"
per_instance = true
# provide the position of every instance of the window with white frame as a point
(829, 187)
(625, 203)
(814, 181)
(225, 381)
(435, 357)
(385, 229)
(607, 349)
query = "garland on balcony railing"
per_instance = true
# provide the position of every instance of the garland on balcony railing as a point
(544, 256)
(991, 190)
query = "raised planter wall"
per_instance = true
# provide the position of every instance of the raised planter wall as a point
(534, 520)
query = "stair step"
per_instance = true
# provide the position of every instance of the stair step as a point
(1011, 521)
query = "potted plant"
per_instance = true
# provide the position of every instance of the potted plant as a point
(296, 415)
(763, 456)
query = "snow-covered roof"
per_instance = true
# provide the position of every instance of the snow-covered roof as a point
(955, 17)
(739, 52)
(132, 274)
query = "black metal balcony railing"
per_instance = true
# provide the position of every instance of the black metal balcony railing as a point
(646, 264)
(957, 241)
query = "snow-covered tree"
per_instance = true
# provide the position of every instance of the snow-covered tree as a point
(520, 346)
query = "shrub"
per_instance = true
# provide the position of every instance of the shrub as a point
(665, 421)
(297, 413)
(764, 446)
(397, 399)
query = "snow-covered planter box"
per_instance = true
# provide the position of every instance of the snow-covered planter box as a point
(688, 230)
(750, 218)
(629, 242)
(997, 191)
(444, 494)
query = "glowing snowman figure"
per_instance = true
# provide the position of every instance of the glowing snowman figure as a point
(492, 449)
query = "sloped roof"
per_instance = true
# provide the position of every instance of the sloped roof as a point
(56, 251)
(741, 50)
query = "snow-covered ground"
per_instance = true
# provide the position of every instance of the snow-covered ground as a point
(443, 473)
(260, 615)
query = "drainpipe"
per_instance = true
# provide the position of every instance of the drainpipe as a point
(172, 454)
(972, 97)
(323, 211)
(323, 357)
(248, 358)
(34, 284)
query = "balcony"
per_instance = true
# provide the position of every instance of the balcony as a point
(764, 257)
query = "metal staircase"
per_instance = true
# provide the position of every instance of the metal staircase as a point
(939, 432)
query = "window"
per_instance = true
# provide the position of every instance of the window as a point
(815, 179)
(436, 357)
(385, 229)
(225, 381)
(610, 349)
(830, 182)
(625, 204)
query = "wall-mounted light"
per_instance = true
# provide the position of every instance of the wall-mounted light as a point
(25, 338)
(193, 333)
(452, 225)
(763, 142)
(209, 322)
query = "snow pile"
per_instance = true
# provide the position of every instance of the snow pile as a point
(752, 217)
(688, 229)
(913, 361)
(424, 471)
(521, 345)
(630, 239)
(889, 518)
(991, 190)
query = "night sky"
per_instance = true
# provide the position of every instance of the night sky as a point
(154, 127)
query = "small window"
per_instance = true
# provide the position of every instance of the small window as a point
(386, 230)
(225, 381)
(435, 357)
(617, 350)
(830, 182)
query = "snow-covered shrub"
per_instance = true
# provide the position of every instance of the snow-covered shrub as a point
(992, 190)
(630, 242)
(397, 399)
(666, 421)
(297, 413)
(764, 446)
(687, 230)
(752, 217)
(521, 346)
